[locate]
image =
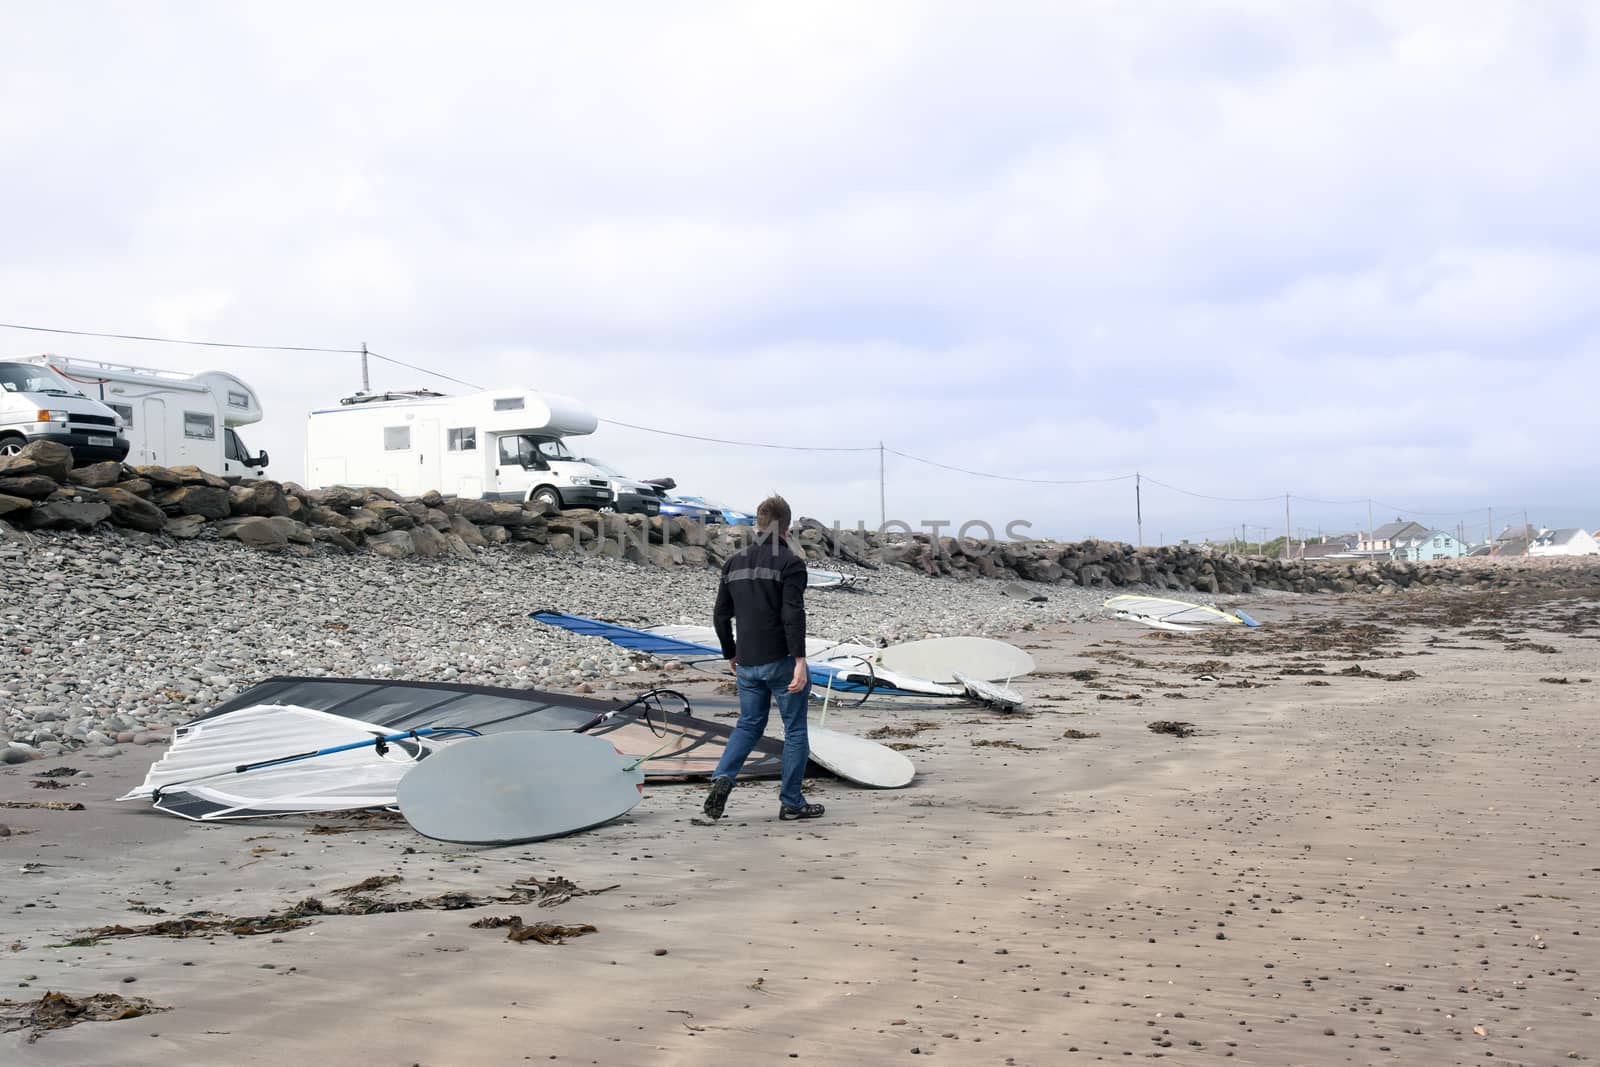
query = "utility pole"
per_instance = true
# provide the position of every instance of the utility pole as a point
(883, 506)
(1525, 529)
(1369, 524)
(1138, 506)
(366, 384)
(1490, 539)
(1288, 533)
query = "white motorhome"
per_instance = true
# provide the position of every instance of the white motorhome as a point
(499, 444)
(171, 418)
(39, 404)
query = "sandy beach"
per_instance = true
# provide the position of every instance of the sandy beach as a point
(1376, 848)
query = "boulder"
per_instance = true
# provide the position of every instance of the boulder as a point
(392, 515)
(477, 512)
(366, 521)
(205, 500)
(133, 511)
(495, 535)
(295, 532)
(396, 544)
(158, 476)
(431, 499)
(64, 515)
(11, 504)
(560, 543)
(338, 499)
(437, 519)
(136, 486)
(427, 541)
(505, 514)
(189, 474)
(96, 475)
(185, 527)
(267, 498)
(468, 533)
(319, 515)
(1042, 570)
(695, 556)
(330, 536)
(257, 531)
(32, 486)
(456, 546)
(46, 458)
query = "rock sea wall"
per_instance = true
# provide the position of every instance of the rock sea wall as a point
(40, 489)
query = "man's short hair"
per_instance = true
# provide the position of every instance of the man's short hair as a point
(773, 510)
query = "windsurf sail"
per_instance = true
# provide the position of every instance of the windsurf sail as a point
(210, 770)
(298, 716)
(1177, 615)
(835, 667)
(820, 579)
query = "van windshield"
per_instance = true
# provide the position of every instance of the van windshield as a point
(603, 467)
(33, 378)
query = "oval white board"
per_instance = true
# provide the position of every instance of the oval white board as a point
(520, 786)
(940, 659)
(857, 760)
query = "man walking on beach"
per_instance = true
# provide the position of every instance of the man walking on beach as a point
(763, 588)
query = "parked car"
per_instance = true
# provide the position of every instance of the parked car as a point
(671, 505)
(731, 516)
(37, 404)
(628, 494)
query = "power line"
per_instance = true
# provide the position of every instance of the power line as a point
(424, 370)
(742, 444)
(1009, 478)
(1207, 496)
(177, 341)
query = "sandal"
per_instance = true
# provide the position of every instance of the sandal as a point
(810, 811)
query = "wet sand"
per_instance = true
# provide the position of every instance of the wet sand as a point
(1336, 868)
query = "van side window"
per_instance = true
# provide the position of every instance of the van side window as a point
(199, 425)
(396, 438)
(464, 439)
(124, 412)
(232, 449)
(238, 400)
(508, 403)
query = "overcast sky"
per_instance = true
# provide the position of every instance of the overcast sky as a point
(1341, 250)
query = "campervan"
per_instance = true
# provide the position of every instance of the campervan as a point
(498, 444)
(38, 404)
(171, 418)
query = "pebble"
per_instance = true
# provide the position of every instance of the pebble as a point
(214, 618)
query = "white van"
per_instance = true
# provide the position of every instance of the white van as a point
(38, 404)
(499, 444)
(175, 419)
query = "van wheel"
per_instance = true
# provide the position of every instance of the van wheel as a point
(546, 495)
(11, 446)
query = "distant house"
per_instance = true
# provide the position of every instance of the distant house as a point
(1513, 541)
(1569, 542)
(1382, 540)
(1430, 544)
(1324, 547)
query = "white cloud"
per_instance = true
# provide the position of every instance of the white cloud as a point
(1340, 249)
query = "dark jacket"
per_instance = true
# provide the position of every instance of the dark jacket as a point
(764, 588)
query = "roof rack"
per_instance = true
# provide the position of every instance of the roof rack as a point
(400, 394)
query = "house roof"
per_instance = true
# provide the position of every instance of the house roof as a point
(1315, 551)
(1389, 530)
(1559, 537)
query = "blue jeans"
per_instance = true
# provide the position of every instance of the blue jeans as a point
(757, 688)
